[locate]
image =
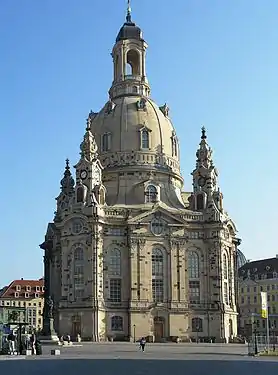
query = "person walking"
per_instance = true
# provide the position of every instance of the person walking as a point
(143, 344)
(11, 342)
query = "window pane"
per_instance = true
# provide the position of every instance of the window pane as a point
(157, 263)
(226, 294)
(151, 194)
(117, 323)
(115, 262)
(115, 290)
(145, 139)
(225, 267)
(194, 291)
(197, 325)
(193, 265)
(158, 290)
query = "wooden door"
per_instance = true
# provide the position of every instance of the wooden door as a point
(158, 329)
(76, 329)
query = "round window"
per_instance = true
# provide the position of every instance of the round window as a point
(157, 226)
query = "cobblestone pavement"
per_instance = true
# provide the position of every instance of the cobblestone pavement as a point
(124, 358)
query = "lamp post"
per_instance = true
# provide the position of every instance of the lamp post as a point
(255, 338)
(134, 333)
(273, 337)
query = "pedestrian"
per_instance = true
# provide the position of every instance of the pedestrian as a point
(11, 342)
(142, 343)
(33, 343)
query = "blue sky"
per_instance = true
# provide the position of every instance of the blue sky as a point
(214, 62)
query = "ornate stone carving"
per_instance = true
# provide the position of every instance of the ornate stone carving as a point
(141, 104)
(110, 107)
(142, 243)
(49, 307)
(165, 110)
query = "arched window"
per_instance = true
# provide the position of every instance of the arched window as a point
(132, 63)
(226, 281)
(200, 202)
(145, 139)
(115, 262)
(80, 194)
(101, 196)
(151, 194)
(78, 272)
(197, 325)
(106, 142)
(193, 265)
(117, 323)
(194, 277)
(174, 146)
(157, 275)
(225, 267)
(134, 90)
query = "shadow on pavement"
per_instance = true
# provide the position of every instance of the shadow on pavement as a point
(136, 367)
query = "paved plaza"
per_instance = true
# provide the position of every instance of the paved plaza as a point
(162, 359)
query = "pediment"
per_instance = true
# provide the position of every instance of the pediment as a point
(83, 164)
(144, 127)
(157, 212)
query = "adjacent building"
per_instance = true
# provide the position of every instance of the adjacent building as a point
(129, 253)
(256, 277)
(22, 301)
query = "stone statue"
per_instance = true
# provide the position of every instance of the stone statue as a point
(165, 110)
(110, 106)
(50, 304)
(141, 104)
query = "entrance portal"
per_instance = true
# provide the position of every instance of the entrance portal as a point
(76, 326)
(159, 323)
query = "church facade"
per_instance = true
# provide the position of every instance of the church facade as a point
(129, 254)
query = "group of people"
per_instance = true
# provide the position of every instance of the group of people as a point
(12, 340)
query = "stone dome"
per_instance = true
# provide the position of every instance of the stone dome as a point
(124, 120)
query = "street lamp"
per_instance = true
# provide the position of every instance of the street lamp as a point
(273, 337)
(255, 338)
(134, 332)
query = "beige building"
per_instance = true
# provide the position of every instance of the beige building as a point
(129, 253)
(256, 277)
(22, 301)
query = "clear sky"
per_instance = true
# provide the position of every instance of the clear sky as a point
(215, 64)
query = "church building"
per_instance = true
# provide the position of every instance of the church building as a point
(129, 253)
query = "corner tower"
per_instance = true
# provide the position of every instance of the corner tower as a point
(129, 60)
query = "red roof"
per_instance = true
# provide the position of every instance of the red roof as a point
(24, 289)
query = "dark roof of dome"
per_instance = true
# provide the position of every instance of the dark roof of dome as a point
(129, 31)
(263, 266)
(241, 260)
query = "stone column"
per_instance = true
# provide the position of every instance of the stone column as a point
(174, 270)
(134, 270)
(48, 335)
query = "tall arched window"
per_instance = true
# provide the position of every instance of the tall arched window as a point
(117, 323)
(157, 275)
(174, 146)
(114, 270)
(145, 139)
(106, 142)
(151, 194)
(200, 202)
(226, 279)
(194, 277)
(78, 272)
